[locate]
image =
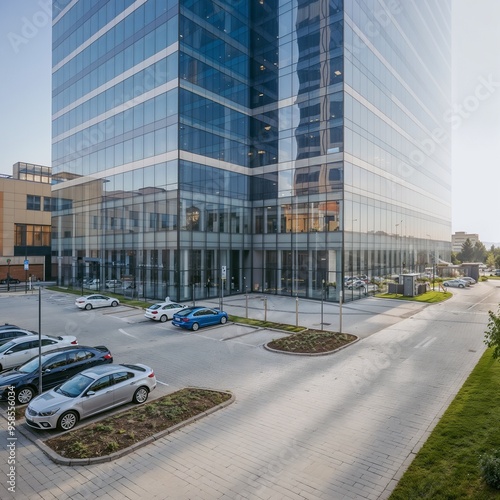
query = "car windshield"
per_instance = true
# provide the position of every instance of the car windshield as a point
(154, 307)
(74, 386)
(7, 346)
(30, 366)
(185, 312)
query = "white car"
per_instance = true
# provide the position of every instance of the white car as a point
(94, 284)
(92, 391)
(456, 283)
(96, 300)
(113, 284)
(163, 311)
(17, 351)
(353, 285)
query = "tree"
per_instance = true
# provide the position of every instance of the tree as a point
(479, 252)
(492, 334)
(467, 252)
(490, 261)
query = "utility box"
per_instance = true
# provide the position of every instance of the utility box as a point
(409, 284)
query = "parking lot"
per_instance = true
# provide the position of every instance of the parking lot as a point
(339, 426)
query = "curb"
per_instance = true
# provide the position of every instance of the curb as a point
(60, 460)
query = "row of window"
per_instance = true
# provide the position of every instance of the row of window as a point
(123, 92)
(82, 78)
(34, 202)
(32, 235)
(106, 138)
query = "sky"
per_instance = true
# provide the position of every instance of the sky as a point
(25, 103)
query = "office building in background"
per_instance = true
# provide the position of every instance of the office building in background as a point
(268, 145)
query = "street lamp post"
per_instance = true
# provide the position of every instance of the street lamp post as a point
(432, 259)
(397, 243)
(322, 300)
(8, 275)
(401, 260)
(246, 297)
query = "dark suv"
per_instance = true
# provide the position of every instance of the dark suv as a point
(57, 366)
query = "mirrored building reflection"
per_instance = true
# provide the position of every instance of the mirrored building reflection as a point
(295, 143)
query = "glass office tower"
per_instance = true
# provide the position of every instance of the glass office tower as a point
(274, 146)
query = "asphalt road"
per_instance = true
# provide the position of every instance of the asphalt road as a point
(331, 427)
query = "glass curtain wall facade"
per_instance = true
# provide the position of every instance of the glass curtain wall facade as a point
(277, 140)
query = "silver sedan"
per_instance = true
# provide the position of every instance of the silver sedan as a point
(92, 391)
(456, 283)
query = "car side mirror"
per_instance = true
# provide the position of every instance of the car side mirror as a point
(90, 393)
(46, 370)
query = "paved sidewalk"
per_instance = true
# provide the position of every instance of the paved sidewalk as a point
(343, 426)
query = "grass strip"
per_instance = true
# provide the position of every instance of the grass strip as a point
(447, 466)
(431, 297)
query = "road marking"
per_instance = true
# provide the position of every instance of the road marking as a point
(121, 330)
(162, 383)
(426, 342)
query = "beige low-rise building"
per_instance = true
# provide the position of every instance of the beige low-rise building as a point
(460, 237)
(25, 222)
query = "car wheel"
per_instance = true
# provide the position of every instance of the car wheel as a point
(88, 307)
(140, 395)
(461, 286)
(67, 421)
(223, 320)
(114, 303)
(25, 395)
(163, 318)
(195, 326)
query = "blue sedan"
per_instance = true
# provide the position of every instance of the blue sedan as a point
(194, 317)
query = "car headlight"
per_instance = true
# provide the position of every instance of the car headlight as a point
(5, 387)
(48, 413)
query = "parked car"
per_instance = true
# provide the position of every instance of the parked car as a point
(17, 351)
(456, 283)
(93, 284)
(8, 326)
(113, 284)
(12, 281)
(194, 317)
(57, 366)
(471, 281)
(353, 285)
(92, 391)
(163, 311)
(12, 333)
(96, 300)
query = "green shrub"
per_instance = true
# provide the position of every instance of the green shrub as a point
(112, 446)
(104, 428)
(489, 463)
